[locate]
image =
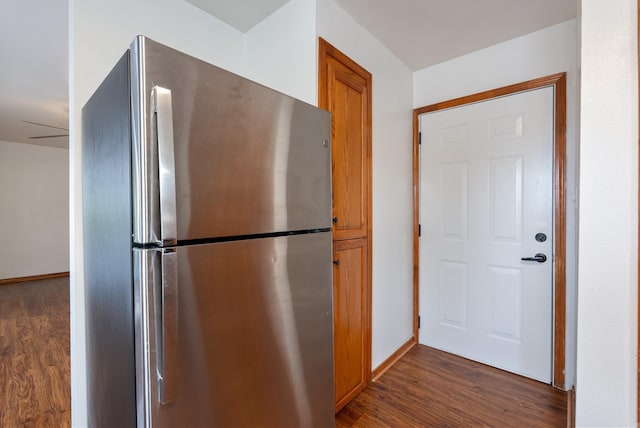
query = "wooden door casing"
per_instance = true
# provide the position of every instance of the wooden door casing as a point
(344, 89)
(558, 82)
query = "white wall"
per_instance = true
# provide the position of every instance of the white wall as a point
(544, 52)
(34, 211)
(607, 276)
(281, 51)
(392, 306)
(100, 33)
(549, 51)
(282, 54)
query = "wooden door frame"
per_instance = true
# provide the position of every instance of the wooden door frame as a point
(559, 83)
(325, 51)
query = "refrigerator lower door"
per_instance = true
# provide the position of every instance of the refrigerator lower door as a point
(254, 334)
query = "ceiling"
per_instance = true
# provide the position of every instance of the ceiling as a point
(33, 75)
(422, 32)
(426, 32)
(34, 44)
(241, 14)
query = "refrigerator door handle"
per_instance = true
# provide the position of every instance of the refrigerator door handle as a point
(166, 165)
(167, 352)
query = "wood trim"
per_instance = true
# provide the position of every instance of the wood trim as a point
(560, 217)
(416, 225)
(33, 278)
(571, 408)
(326, 50)
(529, 85)
(389, 362)
(558, 82)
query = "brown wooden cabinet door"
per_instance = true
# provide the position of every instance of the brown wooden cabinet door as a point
(350, 312)
(344, 88)
(348, 100)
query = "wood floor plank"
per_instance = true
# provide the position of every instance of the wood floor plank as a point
(432, 388)
(34, 354)
(425, 388)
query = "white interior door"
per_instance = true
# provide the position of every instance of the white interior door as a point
(486, 188)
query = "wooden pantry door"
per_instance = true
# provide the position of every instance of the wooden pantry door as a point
(345, 91)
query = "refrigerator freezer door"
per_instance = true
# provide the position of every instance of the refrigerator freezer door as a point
(248, 160)
(255, 334)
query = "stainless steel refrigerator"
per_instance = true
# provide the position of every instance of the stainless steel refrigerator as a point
(207, 249)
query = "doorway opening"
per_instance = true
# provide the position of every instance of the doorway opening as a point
(558, 83)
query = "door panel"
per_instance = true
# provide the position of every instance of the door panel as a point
(486, 191)
(506, 285)
(453, 293)
(350, 313)
(453, 179)
(505, 198)
(254, 332)
(348, 101)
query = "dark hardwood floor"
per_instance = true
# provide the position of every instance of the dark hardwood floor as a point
(430, 388)
(426, 388)
(34, 354)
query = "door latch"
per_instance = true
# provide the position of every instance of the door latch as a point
(540, 258)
